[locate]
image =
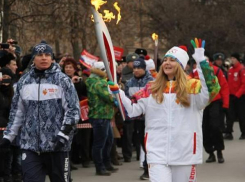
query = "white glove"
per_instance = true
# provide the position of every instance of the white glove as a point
(199, 55)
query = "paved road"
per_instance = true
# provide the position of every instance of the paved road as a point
(233, 170)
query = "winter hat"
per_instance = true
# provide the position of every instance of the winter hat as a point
(5, 58)
(42, 47)
(219, 55)
(150, 65)
(141, 51)
(99, 65)
(139, 63)
(86, 72)
(131, 57)
(236, 55)
(180, 54)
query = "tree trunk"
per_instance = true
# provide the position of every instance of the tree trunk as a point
(6, 10)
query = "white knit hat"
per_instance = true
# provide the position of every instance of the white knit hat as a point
(99, 65)
(150, 65)
(180, 54)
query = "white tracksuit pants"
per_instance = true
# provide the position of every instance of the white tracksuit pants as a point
(163, 173)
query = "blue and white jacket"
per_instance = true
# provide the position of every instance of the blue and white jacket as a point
(134, 85)
(42, 105)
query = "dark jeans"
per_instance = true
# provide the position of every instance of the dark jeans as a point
(236, 111)
(213, 121)
(103, 140)
(127, 137)
(81, 146)
(140, 138)
(36, 166)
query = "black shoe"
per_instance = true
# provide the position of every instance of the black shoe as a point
(211, 158)
(127, 160)
(17, 177)
(144, 176)
(103, 173)
(111, 169)
(116, 162)
(228, 136)
(73, 167)
(242, 137)
(220, 157)
(85, 164)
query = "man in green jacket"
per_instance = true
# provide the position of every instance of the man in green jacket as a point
(101, 111)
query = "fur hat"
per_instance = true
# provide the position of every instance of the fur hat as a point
(5, 58)
(236, 55)
(180, 54)
(99, 65)
(140, 51)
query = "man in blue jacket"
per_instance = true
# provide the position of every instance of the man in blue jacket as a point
(45, 110)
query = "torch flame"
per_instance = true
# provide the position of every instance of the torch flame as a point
(98, 3)
(154, 36)
(108, 16)
(119, 17)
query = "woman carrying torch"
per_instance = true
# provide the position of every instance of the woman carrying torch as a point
(173, 107)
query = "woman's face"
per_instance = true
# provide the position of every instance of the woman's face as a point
(70, 70)
(169, 67)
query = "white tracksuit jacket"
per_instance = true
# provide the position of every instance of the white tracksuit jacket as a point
(173, 133)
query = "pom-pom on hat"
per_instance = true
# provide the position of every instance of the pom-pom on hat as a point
(150, 65)
(42, 47)
(180, 54)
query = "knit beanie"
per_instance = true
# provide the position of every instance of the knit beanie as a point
(180, 54)
(42, 47)
(139, 63)
(150, 65)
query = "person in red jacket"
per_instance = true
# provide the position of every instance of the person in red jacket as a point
(236, 81)
(213, 119)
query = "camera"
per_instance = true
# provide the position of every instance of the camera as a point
(13, 42)
(78, 79)
(4, 46)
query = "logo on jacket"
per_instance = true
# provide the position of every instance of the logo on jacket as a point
(45, 92)
(235, 76)
(50, 91)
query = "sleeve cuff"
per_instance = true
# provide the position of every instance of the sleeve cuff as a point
(63, 135)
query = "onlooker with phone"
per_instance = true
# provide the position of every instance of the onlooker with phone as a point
(80, 152)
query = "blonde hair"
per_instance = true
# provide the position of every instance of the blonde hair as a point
(159, 85)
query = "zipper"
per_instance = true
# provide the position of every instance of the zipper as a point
(38, 140)
(169, 119)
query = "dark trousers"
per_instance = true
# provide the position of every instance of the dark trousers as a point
(13, 160)
(102, 143)
(213, 120)
(140, 138)
(36, 166)
(236, 111)
(81, 146)
(128, 129)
